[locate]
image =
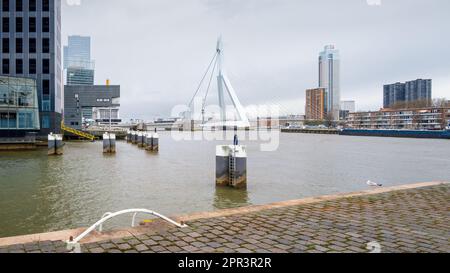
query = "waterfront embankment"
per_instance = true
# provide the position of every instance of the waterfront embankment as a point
(312, 131)
(410, 218)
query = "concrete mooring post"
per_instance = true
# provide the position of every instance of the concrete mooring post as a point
(140, 139)
(155, 142)
(144, 140)
(109, 143)
(133, 137)
(55, 144)
(148, 141)
(129, 137)
(231, 166)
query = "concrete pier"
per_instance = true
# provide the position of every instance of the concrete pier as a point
(149, 142)
(401, 219)
(231, 166)
(55, 144)
(129, 137)
(134, 137)
(140, 139)
(109, 143)
(155, 143)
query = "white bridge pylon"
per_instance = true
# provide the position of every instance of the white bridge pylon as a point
(223, 84)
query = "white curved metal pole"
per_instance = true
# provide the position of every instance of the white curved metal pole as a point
(108, 216)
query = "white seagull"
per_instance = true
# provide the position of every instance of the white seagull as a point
(373, 184)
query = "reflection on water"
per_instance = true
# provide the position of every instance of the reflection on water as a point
(231, 198)
(40, 193)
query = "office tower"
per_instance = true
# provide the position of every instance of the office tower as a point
(329, 78)
(77, 61)
(31, 48)
(315, 104)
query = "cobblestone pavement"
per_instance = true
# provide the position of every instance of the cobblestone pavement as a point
(402, 221)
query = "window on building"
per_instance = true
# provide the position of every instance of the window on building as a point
(19, 24)
(32, 66)
(45, 24)
(19, 66)
(45, 5)
(32, 5)
(5, 24)
(46, 45)
(46, 66)
(19, 5)
(19, 45)
(5, 45)
(32, 24)
(5, 5)
(5, 66)
(46, 87)
(32, 45)
(45, 122)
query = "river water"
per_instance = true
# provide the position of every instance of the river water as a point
(40, 193)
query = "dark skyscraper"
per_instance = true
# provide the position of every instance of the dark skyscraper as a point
(418, 90)
(31, 48)
(409, 92)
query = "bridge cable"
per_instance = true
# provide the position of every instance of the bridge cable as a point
(201, 82)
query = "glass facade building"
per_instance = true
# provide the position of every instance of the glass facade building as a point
(31, 48)
(329, 78)
(19, 107)
(80, 76)
(80, 69)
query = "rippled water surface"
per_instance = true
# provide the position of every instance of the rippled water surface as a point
(40, 193)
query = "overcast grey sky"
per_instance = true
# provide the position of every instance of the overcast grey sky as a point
(158, 50)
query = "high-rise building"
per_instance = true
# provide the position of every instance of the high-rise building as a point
(315, 104)
(329, 78)
(347, 107)
(31, 48)
(80, 76)
(77, 61)
(402, 94)
(418, 90)
(78, 51)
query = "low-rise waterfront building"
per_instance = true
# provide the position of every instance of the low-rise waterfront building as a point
(19, 107)
(427, 118)
(91, 104)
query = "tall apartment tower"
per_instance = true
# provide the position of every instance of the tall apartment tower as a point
(329, 78)
(77, 61)
(315, 104)
(418, 90)
(31, 48)
(407, 93)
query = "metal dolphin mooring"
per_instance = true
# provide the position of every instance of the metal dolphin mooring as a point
(231, 165)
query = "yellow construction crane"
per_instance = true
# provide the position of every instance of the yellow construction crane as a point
(68, 129)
